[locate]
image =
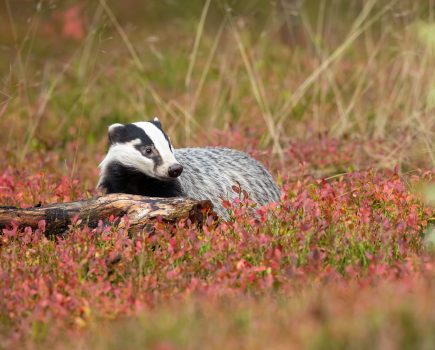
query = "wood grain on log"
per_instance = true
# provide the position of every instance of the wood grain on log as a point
(139, 209)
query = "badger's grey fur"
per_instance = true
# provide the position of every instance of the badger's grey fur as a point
(141, 160)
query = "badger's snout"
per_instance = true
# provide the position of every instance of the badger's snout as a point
(175, 170)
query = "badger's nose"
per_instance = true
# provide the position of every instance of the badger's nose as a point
(175, 170)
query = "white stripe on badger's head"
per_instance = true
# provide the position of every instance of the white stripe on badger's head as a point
(142, 146)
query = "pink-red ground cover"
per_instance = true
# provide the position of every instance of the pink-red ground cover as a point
(359, 229)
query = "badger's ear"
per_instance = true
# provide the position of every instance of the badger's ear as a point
(156, 122)
(114, 133)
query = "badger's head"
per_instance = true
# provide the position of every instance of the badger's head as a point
(144, 147)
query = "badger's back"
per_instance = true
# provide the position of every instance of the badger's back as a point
(211, 172)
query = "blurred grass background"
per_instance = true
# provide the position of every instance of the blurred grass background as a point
(252, 74)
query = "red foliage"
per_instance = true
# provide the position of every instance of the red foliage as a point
(68, 22)
(363, 227)
(72, 23)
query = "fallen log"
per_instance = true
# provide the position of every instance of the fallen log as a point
(141, 211)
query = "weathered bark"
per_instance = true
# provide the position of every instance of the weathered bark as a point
(139, 209)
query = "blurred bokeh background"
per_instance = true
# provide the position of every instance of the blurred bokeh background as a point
(286, 80)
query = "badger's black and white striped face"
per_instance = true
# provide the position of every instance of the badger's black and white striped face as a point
(142, 146)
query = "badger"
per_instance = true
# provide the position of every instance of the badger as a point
(141, 160)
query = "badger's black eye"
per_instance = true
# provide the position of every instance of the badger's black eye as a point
(148, 150)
